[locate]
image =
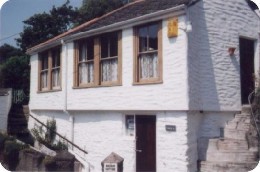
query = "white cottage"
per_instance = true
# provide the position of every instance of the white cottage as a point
(147, 80)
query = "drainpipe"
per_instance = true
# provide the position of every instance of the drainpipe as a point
(65, 109)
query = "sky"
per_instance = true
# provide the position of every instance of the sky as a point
(14, 12)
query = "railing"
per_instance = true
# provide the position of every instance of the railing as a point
(252, 112)
(68, 141)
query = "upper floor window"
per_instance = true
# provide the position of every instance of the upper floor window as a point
(109, 58)
(49, 70)
(148, 53)
(98, 61)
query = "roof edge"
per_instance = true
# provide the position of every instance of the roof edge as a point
(58, 37)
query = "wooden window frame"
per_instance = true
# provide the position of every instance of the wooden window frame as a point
(50, 69)
(77, 63)
(97, 64)
(136, 68)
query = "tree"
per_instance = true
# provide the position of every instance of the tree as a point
(15, 73)
(41, 27)
(7, 51)
(95, 8)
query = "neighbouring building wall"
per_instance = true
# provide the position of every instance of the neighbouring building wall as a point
(214, 76)
(5, 106)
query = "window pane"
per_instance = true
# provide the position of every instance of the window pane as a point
(44, 59)
(86, 73)
(56, 77)
(148, 65)
(142, 33)
(83, 52)
(109, 70)
(104, 47)
(90, 49)
(55, 58)
(153, 38)
(113, 43)
(44, 79)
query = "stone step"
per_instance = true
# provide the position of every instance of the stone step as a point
(207, 166)
(231, 144)
(240, 125)
(235, 134)
(246, 109)
(231, 156)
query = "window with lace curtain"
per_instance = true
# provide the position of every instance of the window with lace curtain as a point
(49, 70)
(98, 61)
(148, 54)
(109, 58)
(85, 62)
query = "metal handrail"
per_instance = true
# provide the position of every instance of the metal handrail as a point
(73, 144)
(252, 113)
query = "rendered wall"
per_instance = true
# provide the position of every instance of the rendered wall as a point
(101, 133)
(172, 94)
(214, 76)
(5, 106)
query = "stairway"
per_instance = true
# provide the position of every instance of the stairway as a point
(17, 123)
(237, 151)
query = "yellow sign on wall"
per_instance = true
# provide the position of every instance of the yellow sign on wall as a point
(172, 27)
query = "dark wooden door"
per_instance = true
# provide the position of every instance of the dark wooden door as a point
(246, 68)
(145, 143)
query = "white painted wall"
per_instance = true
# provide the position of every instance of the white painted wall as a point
(5, 106)
(214, 77)
(101, 133)
(171, 95)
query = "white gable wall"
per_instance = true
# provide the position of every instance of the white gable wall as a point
(214, 76)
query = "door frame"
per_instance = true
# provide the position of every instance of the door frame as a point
(256, 64)
(155, 125)
(135, 141)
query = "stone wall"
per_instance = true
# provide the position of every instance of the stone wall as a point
(5, 106)
(214, 76)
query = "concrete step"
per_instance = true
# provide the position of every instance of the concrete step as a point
(231, 156)
(207, 166)
(235, 134)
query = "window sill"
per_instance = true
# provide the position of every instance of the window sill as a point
(97, 86)
(49, 91)
(147, 82)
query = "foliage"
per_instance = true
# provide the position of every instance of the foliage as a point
(48, 137)
(15, 73)
(41, 27)
(91, 9)
(7, 51)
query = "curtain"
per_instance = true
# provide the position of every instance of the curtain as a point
(148, 65)
(44, 79)
(109, 70)
(86, 73)
(56, 77)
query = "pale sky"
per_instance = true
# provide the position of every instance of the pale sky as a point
(14, 12)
